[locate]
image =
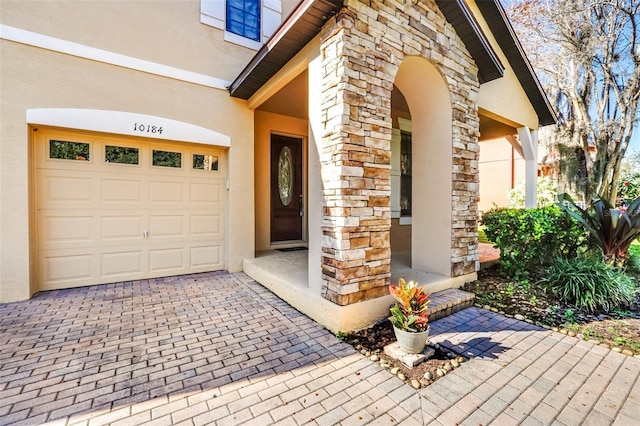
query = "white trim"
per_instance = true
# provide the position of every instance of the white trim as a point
(126, 123)
(529, 141)
(86, 52)
(405, 220)
(242, 41)
(213, 13)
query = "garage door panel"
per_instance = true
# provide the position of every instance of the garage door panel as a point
(73, 229)
(166, 192)
(64, 269)
(162, 226)
(122, 227)
(209, 225)
(167, 260)
(206, 257)
(66, 189)
(121, 191)
(206, 193)
(122, 264)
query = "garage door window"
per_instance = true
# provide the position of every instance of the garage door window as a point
(66, 150)
(167, 159)
(205, 162)
(121, 154)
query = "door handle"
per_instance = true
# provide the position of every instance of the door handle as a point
(145, 233)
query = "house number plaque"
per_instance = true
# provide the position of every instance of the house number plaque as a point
(146, 128)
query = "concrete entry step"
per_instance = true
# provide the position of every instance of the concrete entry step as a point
(447, 302)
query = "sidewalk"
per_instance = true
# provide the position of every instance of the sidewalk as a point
(218, 348)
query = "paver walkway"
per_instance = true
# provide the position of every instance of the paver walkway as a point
(218, 348)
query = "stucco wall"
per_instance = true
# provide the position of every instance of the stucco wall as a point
(36, 78)
(168, 32)
(499, 166)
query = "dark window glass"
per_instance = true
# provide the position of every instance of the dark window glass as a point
(205, 162)
(243, 18)
(121, 154)
(65, 150)
(167, 159)
(405, 174)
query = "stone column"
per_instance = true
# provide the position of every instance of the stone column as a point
(355, 163)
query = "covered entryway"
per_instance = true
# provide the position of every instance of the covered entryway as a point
(423, 190)
(119, 208)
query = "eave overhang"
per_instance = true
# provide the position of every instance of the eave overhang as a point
(304, 23)
(459, 15)
(502, 30)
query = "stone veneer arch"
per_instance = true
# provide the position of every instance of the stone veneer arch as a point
(362, 49)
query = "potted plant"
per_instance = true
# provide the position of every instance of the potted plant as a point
(410, 316)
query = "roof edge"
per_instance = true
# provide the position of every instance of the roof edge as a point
(295, 17)
(512, 48)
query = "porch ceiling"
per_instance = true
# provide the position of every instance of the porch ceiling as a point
(493, 129)
(304, 23)
(291, 100)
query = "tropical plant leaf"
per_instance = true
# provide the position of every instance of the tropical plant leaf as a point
(411, 312)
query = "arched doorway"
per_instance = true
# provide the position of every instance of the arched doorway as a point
(428, 100)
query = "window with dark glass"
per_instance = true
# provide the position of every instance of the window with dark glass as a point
(66, 150)
(167, 159)
(121, 154)
(405, 174)
(243, 18)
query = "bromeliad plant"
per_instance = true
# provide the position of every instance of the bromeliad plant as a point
(411, 313)
(612, 229)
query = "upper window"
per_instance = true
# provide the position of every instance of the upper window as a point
(248, 23)
(243, 18)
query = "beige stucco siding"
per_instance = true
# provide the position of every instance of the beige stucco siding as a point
(37, 78)
(499, 166)
(166, 32)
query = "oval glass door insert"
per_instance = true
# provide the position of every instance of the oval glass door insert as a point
(285, 175)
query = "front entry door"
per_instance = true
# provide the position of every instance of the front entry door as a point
(286, 188)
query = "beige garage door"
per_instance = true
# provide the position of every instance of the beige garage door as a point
(117, 209)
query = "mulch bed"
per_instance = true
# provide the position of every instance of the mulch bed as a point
(371, 342)
(619, 329)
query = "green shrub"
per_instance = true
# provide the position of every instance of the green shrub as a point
(546, 193)
(482, 237)
(632, 267)
(529, 240)
(589, 283)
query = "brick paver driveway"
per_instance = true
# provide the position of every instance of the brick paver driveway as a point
(197, 349)
(218, 348)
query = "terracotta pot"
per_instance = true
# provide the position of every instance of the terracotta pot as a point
(412, 342)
